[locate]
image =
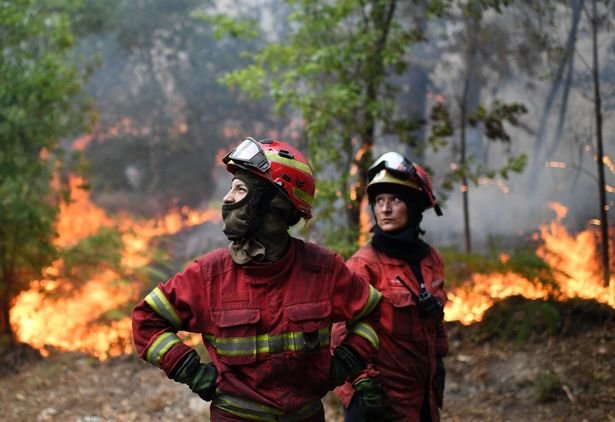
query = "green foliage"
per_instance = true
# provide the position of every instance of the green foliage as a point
(89, 17)
(525, 263)
(441, 126)
(40, 105)
(223, 25)
(460, 266)
(438, 8)
(91, 254)
(493, 120)
(333, 66)
(517, 320)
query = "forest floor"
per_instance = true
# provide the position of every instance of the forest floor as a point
(568, 375)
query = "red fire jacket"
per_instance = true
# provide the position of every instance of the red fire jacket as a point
(266, 326)
(409, 342)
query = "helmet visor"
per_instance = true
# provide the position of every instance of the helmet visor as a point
(394, 163)
(248, 154)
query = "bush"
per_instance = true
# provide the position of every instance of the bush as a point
(518, 319)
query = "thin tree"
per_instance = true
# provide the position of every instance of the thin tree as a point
(594, 19)
(446, 123)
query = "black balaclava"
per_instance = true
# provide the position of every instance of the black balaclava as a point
(405, 243)
(240, 218)
(258, 224)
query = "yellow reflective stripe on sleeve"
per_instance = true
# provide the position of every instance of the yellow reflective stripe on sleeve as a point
(161, 305)
(367, 332)
(372, 302)
(254, 411)
(264, 343)
(273, 156)
(160, 346)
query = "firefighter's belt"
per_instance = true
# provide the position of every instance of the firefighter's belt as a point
(259, 412)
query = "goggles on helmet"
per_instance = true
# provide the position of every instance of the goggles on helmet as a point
(249, 154)
(394, 163)
(401, 168)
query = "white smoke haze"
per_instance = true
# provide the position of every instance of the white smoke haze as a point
(508, 209)
(561, 170)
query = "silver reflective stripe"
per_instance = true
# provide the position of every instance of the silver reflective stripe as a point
(264, 343)
(367, 332)
(250, 410)
(372, 302)
(161, 305)
(160, 346)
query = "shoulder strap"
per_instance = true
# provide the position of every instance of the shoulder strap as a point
(415, 266)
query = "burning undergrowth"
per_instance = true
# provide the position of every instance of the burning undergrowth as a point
(86, 306)
(559, 267)
(517, 319)
(92, 316)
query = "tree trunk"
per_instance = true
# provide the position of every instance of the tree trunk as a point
(464, 182)
(381, 16)
(604, 223)
(463, 111)
(577, 8)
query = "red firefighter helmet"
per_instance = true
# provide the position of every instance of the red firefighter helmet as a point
(279, 163)
(394, 168)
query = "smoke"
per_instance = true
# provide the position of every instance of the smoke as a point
(187, 117)
(558, 133)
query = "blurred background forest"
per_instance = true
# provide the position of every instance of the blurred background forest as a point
(114, 116)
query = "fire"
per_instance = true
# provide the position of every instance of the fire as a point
(578, 275)
(84, 321)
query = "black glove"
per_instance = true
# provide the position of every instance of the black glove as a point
(345, 362)
(440, 381)
(200, 377)
(372, 400)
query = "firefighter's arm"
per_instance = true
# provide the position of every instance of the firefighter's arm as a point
(364, 300)
(356, 302)
(155, 322)
(166, 310)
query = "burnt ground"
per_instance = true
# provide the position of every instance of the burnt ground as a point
(560, 366)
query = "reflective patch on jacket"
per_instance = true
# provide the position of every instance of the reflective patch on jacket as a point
(264, 343)
(160, 346)
(161, 305)
(372, 301)
(367, 332)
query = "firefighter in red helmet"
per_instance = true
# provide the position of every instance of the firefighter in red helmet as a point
(264, 305)
(405, 380)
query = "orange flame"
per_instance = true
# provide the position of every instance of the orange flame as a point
(573, 256)
(73, 323)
